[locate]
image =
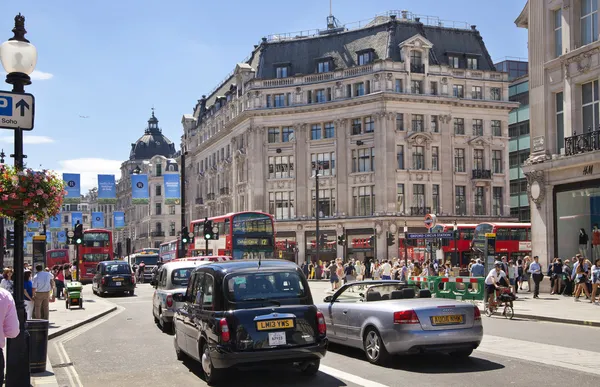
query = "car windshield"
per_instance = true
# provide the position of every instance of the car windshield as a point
(147, 259)
(284, 286)
(181, 277)
(376, 292)
(117, 268)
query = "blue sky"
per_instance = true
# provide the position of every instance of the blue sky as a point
(111, 61)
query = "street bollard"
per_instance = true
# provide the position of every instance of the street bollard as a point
(38, 344)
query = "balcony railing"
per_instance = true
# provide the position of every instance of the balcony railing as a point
(210, 196)
(415, 211)
(224, 191)
(199, 201)
(157, 234)
(142, 235)
(417, 68)
(485, 174)
(582, 143)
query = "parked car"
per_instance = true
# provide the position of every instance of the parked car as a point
(113, 277)
(172, 278)
(247, 313)
(390, 317)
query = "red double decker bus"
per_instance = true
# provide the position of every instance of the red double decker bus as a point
(458, 250)
(97, 246)
(57, 257)
(242, 235)
(513, 240)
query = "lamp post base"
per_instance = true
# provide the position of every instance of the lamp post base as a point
(17, 355)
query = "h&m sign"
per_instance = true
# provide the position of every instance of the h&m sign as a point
(588, 170)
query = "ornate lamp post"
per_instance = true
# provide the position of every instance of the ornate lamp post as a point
(18, 58)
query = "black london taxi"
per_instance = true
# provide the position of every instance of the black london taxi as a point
(113, 277)
(247, 313)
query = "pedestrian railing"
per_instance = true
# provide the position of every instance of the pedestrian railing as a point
(456, 288)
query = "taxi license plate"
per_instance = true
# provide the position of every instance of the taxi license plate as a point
(117, 284)
(452, 319)
(274, 324)
(277, 338)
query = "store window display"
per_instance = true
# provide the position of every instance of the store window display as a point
(583, 243)
(596, 241)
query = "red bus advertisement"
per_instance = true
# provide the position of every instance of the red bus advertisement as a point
(97, 247)
(57, 257)
(513, 240)
(242, 235)
(461, 253)
(168, 251)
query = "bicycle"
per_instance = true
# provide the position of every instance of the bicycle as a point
(504, 299)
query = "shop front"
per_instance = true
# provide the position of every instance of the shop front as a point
(327, 245)
(286, 246)
(362, 245)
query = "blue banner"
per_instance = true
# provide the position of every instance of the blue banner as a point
(97, 219)
(76, 216)
(48, 236)
(33, 226)
(119, 220)
(73, 187)
(172, 192)
(107, 189)
(61, 236)
(29, 236)
(55, 223)
(139, 189)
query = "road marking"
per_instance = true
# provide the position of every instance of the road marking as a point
(570, 358)
(349, 377)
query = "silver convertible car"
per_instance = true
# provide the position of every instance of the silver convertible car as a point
(390, 317)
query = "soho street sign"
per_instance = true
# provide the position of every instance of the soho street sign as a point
(16, 110)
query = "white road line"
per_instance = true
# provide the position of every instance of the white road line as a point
(570, 358)
(349, 377)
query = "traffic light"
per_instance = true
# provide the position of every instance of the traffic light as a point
(10, 239)
(390, 239)
(185, 236)
(208, 230)
(128, 246)
(372, 240)
(78, 234)
(342, 240)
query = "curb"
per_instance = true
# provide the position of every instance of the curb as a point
(47, 378)
(560, 320)
(69, 328)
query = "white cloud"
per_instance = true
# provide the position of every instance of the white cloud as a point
(90, 169)
(28, 139)
(36, 75)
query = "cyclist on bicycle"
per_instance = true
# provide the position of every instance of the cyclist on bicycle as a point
(141, 269)
(492, 282)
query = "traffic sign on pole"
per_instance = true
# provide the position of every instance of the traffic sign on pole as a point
(16, 110)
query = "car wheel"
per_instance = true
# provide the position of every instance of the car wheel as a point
(374, 347)
(310, 368)
(178, 352)
(465, 353)
(211, 374)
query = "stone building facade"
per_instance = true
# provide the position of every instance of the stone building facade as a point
(400, 119)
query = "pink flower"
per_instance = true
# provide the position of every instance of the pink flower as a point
(39, 192)
(4, 197)
(13, 195)
(45, 196)
(31, 194)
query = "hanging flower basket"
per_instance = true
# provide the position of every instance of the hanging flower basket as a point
(37, 195)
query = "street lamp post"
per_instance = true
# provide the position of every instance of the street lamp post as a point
(2, 242)
(19, 58)
(317, 175)
(405, 244)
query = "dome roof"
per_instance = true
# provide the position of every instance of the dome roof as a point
(152, 143)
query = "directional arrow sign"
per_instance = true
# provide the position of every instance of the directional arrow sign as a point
(16, 110)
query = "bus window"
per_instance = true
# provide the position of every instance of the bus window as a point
(518, 234)
(227, 225)
(467, 234)
(503, 234)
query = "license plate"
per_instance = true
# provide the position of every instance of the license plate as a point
(117, 284)
(277, 338)
(274, 324)
(447, 320)
(118, 279)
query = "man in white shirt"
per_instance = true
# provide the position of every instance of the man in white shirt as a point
(43, 282)
(491, 281)
(386, 271)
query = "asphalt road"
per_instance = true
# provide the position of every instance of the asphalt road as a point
(126, 348)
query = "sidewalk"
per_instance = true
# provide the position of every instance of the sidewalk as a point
(63, 321)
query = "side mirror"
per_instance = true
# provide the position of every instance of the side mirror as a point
(179, 297)
(328, 299)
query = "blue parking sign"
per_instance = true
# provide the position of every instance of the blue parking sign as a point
(6, 106)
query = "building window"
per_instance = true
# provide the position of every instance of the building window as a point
(320, 96)
(497, 161)
(433, 88)
(459, 160)
(158, 209)
(415, 87)
(476, 92)
(365, 58)
(282, 71)
(479, 201)
(273, 135)
(369, 124)
(400, 156)
(461, 200)
(326, 202)
(356, 126)
(435, 158)
(417, 123)
(363, 160)
(324, 66)
(516, 159)
(434, 124)
(590, 106)
(557, 32)
(418, 199)
(359, 89)
(158, 169)
(496, 94)
(472, 63)
(281, 167)
(496, 128)
(281, 205)
(398, 88)
(363, 200)
(171, 210)
(477, 127)
(399, 122)
(287, 134)
(453, 61)
(560, 123)
(279, 100)
(589, 21)
(435, 198)
(419, 158)
(459, 126)
(323, 163)
(329, 130)
(400, 202)
(458, 91)
(497, 201)
(478, 159)
(158, 190)
(316, 132)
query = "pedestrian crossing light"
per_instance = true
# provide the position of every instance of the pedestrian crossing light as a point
(342, 240)
(390, 239)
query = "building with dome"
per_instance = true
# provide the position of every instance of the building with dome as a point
(148, 225)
